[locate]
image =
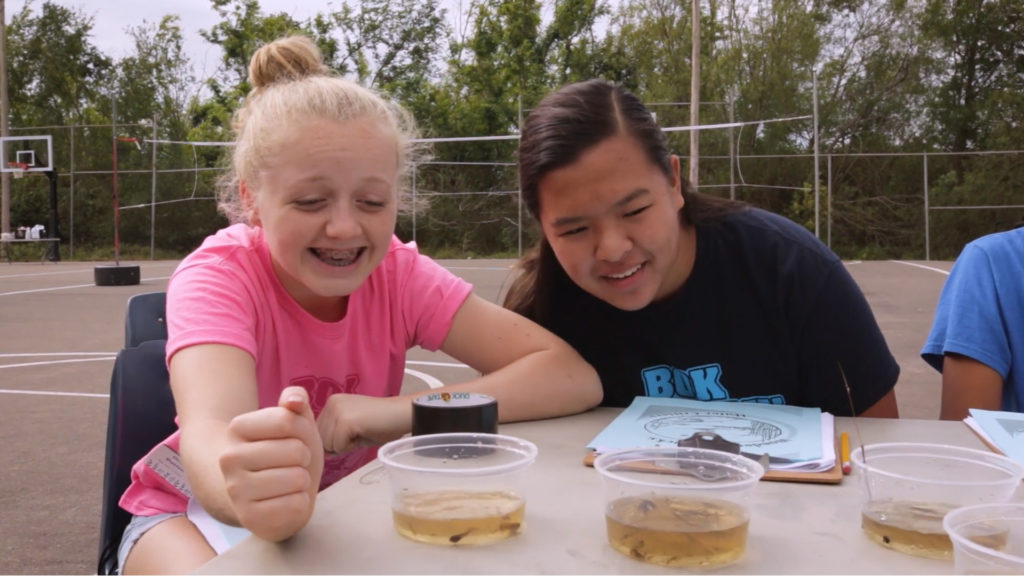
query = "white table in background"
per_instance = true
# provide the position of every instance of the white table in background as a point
(45, 243)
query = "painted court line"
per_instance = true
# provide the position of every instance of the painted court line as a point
(41, 354)
(444, 364)
(430, 380)
(915, 265)
(45, 393)
(46, 289)
(427, 378)
(54, 289)
(112, 354)
(71, 271)
(50, 362)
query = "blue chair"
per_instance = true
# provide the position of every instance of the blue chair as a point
(145, 318)
(141, 414)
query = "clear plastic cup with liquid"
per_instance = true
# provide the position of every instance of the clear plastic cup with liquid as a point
(908, 488)
(459, 488)
(680, 507)
(987, 538)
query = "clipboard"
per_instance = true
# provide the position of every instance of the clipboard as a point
(680, 420)
(833, 475)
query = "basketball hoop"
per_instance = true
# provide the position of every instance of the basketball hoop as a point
(21, 169)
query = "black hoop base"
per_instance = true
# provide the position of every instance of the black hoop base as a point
(116, 275)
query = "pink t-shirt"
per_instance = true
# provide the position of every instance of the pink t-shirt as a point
(226, 292)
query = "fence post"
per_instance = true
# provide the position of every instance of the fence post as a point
(828, 192)
(817, 187)
(71, 200)
(927, 235)
(415, 206)
(152, 199)
(519, 216)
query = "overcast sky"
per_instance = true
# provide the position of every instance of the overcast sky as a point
(112, 17)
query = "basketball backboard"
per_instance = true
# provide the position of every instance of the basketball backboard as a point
(26, 153)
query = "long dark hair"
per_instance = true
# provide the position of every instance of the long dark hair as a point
(566, 123)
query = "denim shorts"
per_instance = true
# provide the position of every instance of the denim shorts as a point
(138, 526)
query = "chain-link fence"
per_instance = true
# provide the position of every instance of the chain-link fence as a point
(466, 202)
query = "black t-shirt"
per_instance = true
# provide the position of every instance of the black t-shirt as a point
(768, 314)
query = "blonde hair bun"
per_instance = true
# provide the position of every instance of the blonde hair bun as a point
(285, 60)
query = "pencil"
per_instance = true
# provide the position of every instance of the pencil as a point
(844, 451)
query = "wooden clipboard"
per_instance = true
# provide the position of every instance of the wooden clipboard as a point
(833, 475)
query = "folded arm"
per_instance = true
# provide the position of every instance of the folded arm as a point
(532, 373)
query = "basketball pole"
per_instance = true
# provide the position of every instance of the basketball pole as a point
(113, 185)
(116, 275)
(53, 254)
(5, 178)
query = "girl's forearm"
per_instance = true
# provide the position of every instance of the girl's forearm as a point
(201, 447)
(543, 384)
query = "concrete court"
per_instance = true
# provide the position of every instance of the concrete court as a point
(59, 334)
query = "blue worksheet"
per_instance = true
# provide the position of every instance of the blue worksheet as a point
(790, 432)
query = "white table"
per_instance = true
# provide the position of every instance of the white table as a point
(795, 528)
(44, 242)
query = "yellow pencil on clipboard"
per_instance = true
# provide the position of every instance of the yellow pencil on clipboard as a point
(844, 452)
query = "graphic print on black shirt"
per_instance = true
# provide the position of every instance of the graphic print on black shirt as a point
(697, 383)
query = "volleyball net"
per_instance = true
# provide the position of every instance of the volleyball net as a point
(466, 203)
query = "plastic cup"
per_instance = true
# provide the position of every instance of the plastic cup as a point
(457, 489)
(909, 488)
(987, 538)
(681, 507)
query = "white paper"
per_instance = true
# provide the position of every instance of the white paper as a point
(1003, 430)
(219, 535)
(804, 435)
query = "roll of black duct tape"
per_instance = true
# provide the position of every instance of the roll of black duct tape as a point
(441, 412)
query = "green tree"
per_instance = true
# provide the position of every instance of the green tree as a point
(156, 86)
(496, 71)
(242, 29)
(871, 93)
(393, 45)
(977, 105)
(54, 71)
(570, 43)
(55, 76)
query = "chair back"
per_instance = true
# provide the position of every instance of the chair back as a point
(145, 318)
(140, 416)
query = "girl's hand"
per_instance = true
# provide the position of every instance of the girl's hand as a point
(272, 466)
(352, 420)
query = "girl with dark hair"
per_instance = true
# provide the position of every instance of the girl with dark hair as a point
(669, 292)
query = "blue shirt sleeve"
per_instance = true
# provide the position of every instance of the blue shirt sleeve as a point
(968, 318)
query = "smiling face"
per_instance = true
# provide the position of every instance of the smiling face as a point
(327, 202)
(612, 220)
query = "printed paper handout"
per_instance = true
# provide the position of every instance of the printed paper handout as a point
(804, 436)
(1002, 430)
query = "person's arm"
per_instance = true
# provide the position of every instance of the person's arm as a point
(968, 341)
(885, 407)
(256, 468)
(532, 374)
(842, 348)
(967, 383)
